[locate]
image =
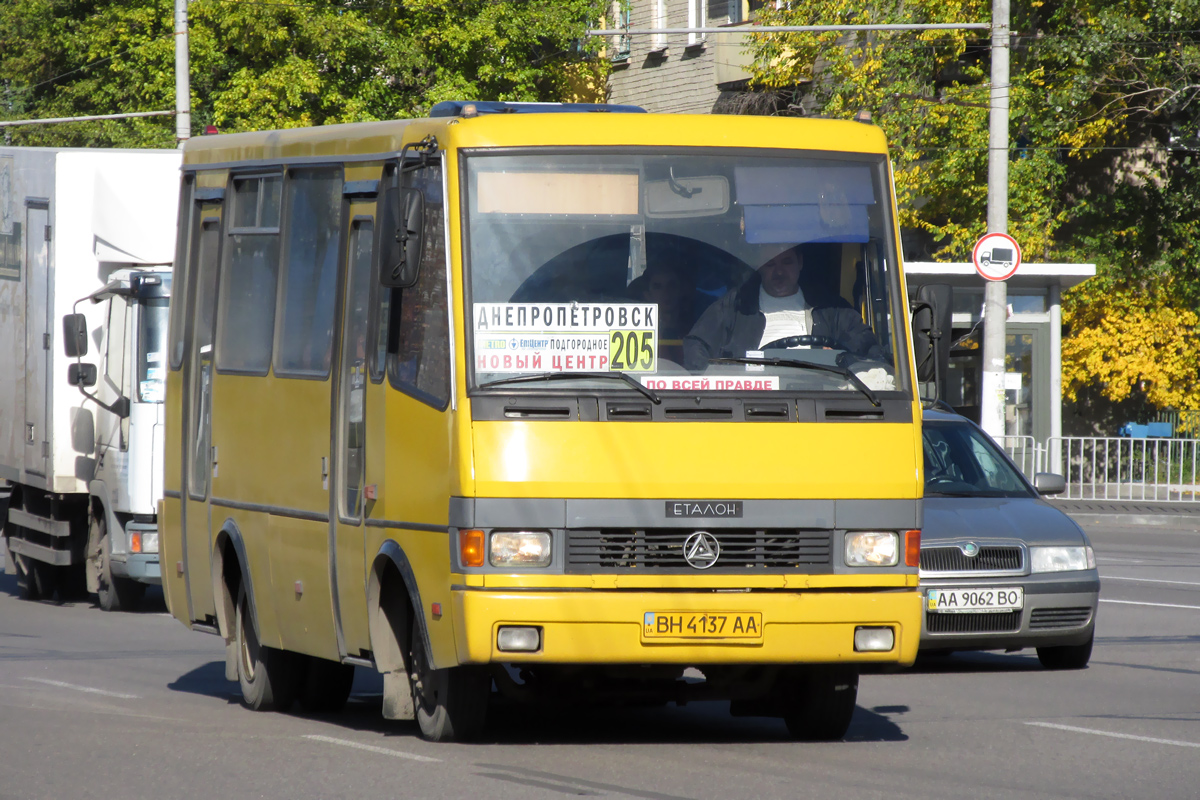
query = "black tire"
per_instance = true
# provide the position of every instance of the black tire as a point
(268, 677)
(326, 685)
(820, 707)
(113, 594)
(1075, 656)
(29, 577)
(450, 704)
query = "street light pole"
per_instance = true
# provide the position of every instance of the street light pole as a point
(995, 312)
(183, 94)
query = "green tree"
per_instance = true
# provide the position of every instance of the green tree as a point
(280, 63)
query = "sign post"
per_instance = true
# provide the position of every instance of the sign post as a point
(996, 257)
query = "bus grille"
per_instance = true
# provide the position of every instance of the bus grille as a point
(990, 559)
(1002, 622)
(662, 549)
(1044, 618)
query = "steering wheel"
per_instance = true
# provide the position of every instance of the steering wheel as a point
(803, 341)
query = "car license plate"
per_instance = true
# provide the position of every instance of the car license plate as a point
(975, 601)
(701, 625)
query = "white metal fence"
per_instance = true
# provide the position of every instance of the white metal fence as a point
(1114, 468)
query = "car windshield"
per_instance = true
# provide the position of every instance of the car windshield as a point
(669, 266)
(960, 461)
(152, 349)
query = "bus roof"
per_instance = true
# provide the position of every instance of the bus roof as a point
(358, 141)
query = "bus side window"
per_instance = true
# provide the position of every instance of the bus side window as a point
(246, 309)
(418, 340)
(308, 294)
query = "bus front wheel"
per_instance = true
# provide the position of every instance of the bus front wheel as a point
(267, 676)
(450, 704)
(820, 704)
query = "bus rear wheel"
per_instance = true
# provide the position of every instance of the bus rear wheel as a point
(267, 676)
(450, 704)
(820, 705)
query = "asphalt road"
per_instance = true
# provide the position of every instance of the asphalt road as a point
(97, 705)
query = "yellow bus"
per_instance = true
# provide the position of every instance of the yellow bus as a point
(548, 401)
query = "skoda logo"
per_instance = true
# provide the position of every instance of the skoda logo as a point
(701, 550)
(970, 549)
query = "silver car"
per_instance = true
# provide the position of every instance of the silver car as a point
(1001, 569)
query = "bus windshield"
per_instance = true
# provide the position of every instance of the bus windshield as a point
(684, 270)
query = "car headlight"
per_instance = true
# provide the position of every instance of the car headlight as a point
(520, 549)
(1061, 559)
(872, 549)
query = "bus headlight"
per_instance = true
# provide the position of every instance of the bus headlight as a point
(872, 549)
(1061, 559)
(520, 549)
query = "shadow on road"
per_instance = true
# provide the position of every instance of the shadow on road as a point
(152, 603)
(975, 662)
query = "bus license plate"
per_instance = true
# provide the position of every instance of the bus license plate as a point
(975, 601)
(701, 625)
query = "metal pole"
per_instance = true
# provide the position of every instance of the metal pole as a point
(8, 123)
(991, 406)
(183, 96)
(1055, 464)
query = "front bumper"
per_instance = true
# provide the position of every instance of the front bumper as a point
(141, 567)
(605, 627)
(1059, 609)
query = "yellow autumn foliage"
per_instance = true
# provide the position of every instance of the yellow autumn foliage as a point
(1126, 341)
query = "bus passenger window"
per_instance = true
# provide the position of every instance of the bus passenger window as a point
(418, 331)
(246, 308)
(305, 336)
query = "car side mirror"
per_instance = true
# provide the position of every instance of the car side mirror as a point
(400, 248)
(80, 374)
(1049, 483)
(75, 336)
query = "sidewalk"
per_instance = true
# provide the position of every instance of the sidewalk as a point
(1181, 516)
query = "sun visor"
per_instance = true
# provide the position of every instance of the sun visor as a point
(134, 227)
(805, 203)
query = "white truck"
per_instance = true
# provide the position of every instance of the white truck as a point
(87, 237)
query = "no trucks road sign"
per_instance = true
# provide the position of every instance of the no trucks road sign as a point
(996, 256)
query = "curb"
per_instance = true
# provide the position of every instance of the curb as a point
(1178, 522)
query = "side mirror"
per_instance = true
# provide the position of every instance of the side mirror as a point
(401, 245)
(75, 336)
(931, 327)
(80, 374)
(1049, 483)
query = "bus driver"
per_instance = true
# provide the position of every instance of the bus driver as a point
(768, 307)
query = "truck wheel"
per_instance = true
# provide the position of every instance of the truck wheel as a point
(820, 708)
(114, 594)
(1074, 656)
(450, 704)
(326, 685)
(268, 677)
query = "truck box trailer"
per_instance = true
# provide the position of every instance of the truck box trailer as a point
(89, 235)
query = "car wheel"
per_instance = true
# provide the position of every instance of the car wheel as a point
(1075, 656)
(450, 704)
(267, 676)
(820, 708)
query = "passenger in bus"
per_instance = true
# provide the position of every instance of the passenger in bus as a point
(674, 291)
(771, 306)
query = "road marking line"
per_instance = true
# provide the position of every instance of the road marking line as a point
(1150, 739)
(383, 751)
(88, 689)
(1150, 580)
(1156, 605)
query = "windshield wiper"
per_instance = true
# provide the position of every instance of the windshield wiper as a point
(788, 362)
(562, 376)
